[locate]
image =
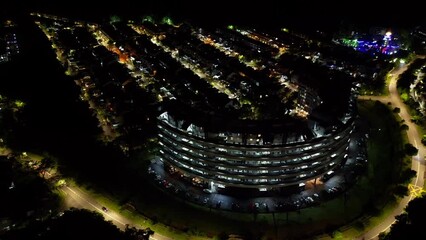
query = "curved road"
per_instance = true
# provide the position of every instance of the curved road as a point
(418, 162)
(74, 197)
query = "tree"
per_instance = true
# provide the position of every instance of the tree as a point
(45, 164)
(409, 225)
(89, 225)
(29, 197)
(404, 127)
(424, 140)
(407, 175)
(410, 150)
(140, 234)
(76, 224)
(405, 80)
(73, 224)
(397, 110)
(400, 191)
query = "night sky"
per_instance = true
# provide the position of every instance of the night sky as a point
(265, 13)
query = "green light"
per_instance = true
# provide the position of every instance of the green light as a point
(148, 19)
(167, 20)
(231, 27)
(285, 30)
(19, 103)
(350, 42)
(114, 19)
(61, 182)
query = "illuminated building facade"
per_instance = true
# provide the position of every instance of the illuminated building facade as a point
(385, 44)
(260, 156)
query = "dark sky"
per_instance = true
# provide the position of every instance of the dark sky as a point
(269, 13)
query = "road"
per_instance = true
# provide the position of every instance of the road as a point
(75, 197)
(418, 163)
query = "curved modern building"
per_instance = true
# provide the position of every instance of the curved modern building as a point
(262, 156)
(268, 124)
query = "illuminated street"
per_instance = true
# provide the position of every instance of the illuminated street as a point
(418, 162)
(74, 197)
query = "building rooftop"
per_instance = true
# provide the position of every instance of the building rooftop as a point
(227, 77)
